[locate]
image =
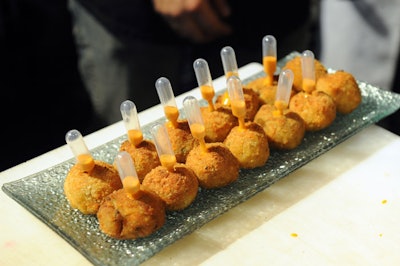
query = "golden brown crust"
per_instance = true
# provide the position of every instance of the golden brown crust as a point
(283, 131)
(343, 88)
(217, 123)
(295, 65)
(181, 139)
(249, 146)
(178, 189)
(144, 156)
(215, 168)
(85, 191)
(317, 109)
(252, 100)
(126, 216)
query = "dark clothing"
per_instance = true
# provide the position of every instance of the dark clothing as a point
(42, 91)
(251, 20)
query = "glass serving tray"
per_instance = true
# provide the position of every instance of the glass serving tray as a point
(42, 193)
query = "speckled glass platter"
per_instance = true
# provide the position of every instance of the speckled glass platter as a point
(42, 193)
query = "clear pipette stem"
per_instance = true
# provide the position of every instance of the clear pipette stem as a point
(131, 122)
(127, 172)
(167, 99)
(269, 57)
(195, 120)
(163, 145)
(204, 81)
(78, 147)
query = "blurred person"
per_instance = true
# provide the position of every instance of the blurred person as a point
(42, 91)
(124, 46)
(363, 38)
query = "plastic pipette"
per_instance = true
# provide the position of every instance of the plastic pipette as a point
(127, 172)
(283, 91)
(236, 97)
(167, 99)
(78, 147)
(193, 114)
(163, 146)
(269, 57)
(203, 76)
(131, 122)
(308, 71)
(229, 63)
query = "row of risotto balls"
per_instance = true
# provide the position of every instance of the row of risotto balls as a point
(234, 130)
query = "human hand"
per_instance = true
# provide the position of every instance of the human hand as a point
(198, 20)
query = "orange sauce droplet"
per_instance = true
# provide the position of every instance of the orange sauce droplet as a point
(308, 85)
(269, 63)
(294, 235)
(280, 106)
(172, 114)
(208, 94)
(131, 184)
(198, 131)
(85, 162)
(230, 74)
(135, 136)
(238, 108)
(168, 161)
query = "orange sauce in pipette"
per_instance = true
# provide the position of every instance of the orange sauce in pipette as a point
(199, 132)
(308, 85)
(85, 162)
(135, 136)
(168, 161)
(280, 106)
(269, 63)
(131, 184)
(229, 74)
(239, 110)
(172, 114)
(208, 94)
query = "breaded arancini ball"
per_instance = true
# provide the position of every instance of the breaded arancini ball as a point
(266, 92)
(218, 123)
(217, 167)
(317, 109)
(124, 215)
(295, 65)
(144, 156)
(285, 131)
(181, 139)
(343, 88)
(251, 99)
(85, 191)
(248, 145)
(178, 188)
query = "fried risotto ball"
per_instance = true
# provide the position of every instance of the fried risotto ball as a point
(251, 99)
(144, 156)
(218, 123)
(217, 167)
(124, 215)
(85, 191)
(249, 145)
(343, 88)
(295, 65)
(284, 131)
(317, 109)
(266, 93)
(181, 139)
(177, 188)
